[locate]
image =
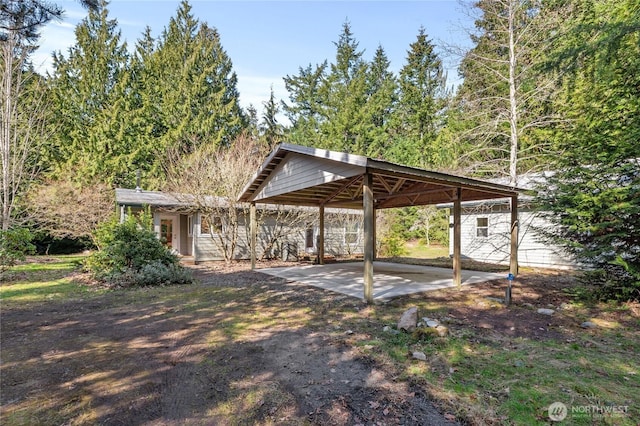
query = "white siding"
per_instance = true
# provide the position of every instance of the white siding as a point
(494, 248)
(299, 172)
(207, 249)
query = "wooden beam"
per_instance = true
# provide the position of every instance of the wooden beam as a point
(321, 237)
(369, 217)
(342, 188)
(513, 260)
(253, 225)
(385, 184)
(457, 267)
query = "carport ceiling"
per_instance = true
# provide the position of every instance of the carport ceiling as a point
(298, 175)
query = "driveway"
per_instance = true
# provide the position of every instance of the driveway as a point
(389, 279)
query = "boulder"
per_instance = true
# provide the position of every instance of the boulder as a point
(420, 355)
(545, 311)
(409, 320)
(588, 324)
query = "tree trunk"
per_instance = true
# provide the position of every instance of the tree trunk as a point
(513, 116)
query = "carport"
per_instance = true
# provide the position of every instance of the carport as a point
(304, 176)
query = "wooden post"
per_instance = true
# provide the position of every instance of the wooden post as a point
(375, 231)
(321, 237)
(367, 205)
(513, 260)
(253, 226)
(457, 268)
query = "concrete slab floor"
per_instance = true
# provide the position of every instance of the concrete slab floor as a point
(389, 279)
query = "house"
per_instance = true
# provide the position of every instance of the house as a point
(283, 232)
(485, 232)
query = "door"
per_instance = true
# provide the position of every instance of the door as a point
(166, 232)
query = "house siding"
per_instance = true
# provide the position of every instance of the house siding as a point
(302, 172)
(494, 248)
(292, 244)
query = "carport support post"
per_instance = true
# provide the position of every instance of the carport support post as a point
(253, 225)
(369, 229)
(321, 237)
(513, 260)
(457, 269)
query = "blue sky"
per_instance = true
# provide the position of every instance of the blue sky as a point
(267, 40)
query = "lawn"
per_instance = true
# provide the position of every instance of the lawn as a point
(240, 347)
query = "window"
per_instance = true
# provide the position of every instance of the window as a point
(351, 232)
(190, 225)
(482, 227)
(308, 238)
(210, 225)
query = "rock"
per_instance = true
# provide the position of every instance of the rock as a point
(409, 319)
(518, 363)
(388, 329)
(545, 311)
(349, 332)
(420, 355)
(442, 331)
(588, 324)
(432, 323)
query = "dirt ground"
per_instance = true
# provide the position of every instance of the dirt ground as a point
(167, 359)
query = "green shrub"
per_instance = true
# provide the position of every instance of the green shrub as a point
(392, 246)
(130, 255)
(15, 244)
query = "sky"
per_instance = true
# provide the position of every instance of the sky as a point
(268, 40)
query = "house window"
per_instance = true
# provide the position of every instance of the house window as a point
(482, 227)
(308, 238)
(190, 225)
(210, 225)
(351, 232)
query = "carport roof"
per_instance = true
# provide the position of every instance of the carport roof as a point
(299, 175)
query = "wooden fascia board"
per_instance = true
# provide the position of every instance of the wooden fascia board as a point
(244, 195)
(448, 180)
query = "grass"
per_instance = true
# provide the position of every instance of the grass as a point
(483, 378)
(418, 250)
(42, 279)
(493, 379)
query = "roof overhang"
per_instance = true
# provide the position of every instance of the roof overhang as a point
(298, 175)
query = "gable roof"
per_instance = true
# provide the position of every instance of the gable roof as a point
(299, 175)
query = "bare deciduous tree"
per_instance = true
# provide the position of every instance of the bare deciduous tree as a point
(22, 123)
(504, 93)
(65, 209)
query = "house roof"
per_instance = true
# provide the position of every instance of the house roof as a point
(141, 198)
(299, 175)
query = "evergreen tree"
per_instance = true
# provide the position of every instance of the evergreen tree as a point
(346, 126)
(89, 87)
(306, 107)
(197, 85)
(594, 194)
(271, 130)
(422, 93)
(382, 98)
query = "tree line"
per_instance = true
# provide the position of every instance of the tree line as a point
(546, 85)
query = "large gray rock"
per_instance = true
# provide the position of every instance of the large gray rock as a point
(409, 320)
(420, 355)
(545, 311)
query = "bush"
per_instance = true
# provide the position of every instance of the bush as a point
(392, 246)
(130, 255)
(15, 244)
